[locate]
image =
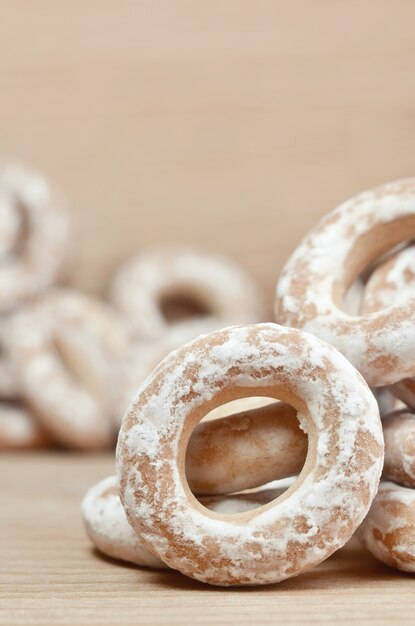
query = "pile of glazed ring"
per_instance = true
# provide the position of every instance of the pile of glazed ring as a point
(179, 338)
(70, 362)
(195, 497)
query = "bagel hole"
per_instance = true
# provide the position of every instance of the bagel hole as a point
(244, 454)
(179, 306)
(353, 296)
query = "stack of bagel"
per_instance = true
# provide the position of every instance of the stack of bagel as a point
(323, 398)
(349, 285)
(69, 361)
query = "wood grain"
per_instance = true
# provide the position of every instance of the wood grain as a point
(233, 125)
(49, 573)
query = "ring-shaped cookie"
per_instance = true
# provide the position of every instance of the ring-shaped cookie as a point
(65, 347)
(34, 236)
(399, 434)
(108, 528)
(212, 282)
(388, 531)
(256, 446)
(392, 283)
(313, 518)
(143, 356)
(312, 285)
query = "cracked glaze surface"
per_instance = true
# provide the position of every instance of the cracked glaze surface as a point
(313, 518)
(388, 531)
(331, 256)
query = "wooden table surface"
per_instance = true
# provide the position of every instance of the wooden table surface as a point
(49, 573)
(233, 125)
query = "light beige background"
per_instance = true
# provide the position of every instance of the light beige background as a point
(233, 124)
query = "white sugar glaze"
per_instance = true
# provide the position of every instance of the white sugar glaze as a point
(392, 283)
(35, 235)
(109, 530)
(65, 346)
(143, 356)
(315, 517)
(228, 293)
(381, 344)
(388, 531)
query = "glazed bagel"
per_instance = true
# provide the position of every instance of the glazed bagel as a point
(34, 236)
(254, 446)
(313, 283)
(19, 430)
(245, 450)
(65, 347)
(216, 288)
(399, 433)
(107, 526)
(142, 357)
(388, 531)
(313, 518)
(392, 283)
